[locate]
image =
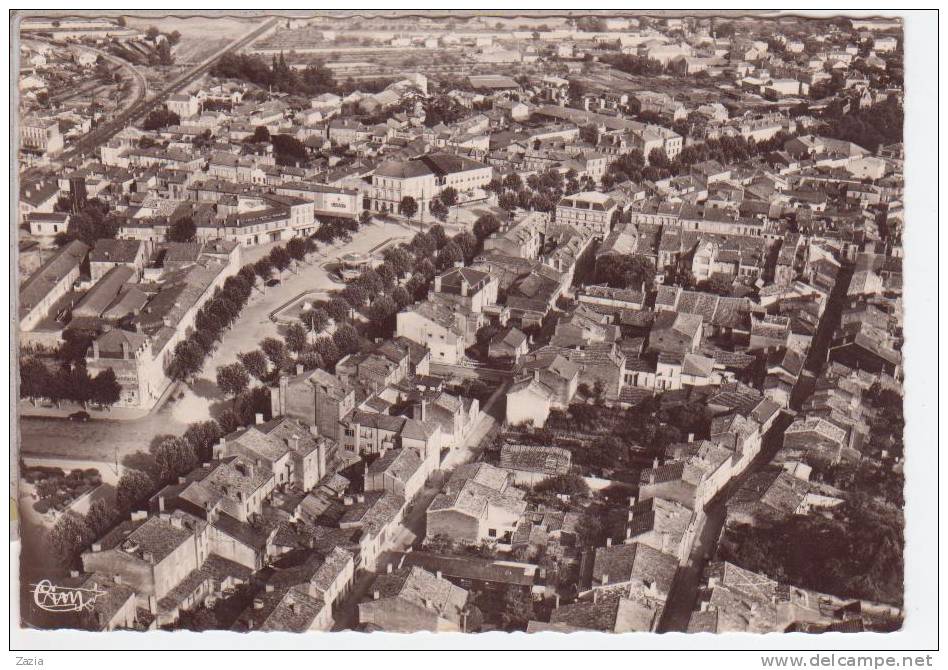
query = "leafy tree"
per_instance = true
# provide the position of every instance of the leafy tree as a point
(328, 352)
(182, 230)
(450, 255)
(718, 284)
(401, 296)
(439, 210)
(486, 225)
(295, 337)
(495, 186)
(288, 150)
(232, 379)
(264, 268)
(625, 271)
(467, 243)
(202, 436)
(187, 361)
(255, 362)
(382, 308)
(100, 517)
(296, 248)
(347, 339)
(34, 379)
(280, 258)
(517, 609)
(408, 207)
(315, 319)
(160, 118)
(250, 403)
(365, 218)
(399, 259)
(338, 308)
(228, 421)
(133, 489)
(449, 196)
(105, 389)
(508, 201)
(174, 456)
(275, 350)
(260, 135)
(69, 538)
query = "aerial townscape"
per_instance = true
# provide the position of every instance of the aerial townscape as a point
(460, 323)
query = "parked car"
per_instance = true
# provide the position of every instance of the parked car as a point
(79, 416)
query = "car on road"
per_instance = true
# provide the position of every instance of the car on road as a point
(272, 282)
(80, 416)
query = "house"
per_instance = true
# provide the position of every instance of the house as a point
(166, 559)
(588, 211)
(184, 105)
(740, 601)
(639, 568)
(399, 471)
(675, 332)
(283, 447)
(477, 504)
(411, 599)
(664, 525)
(47, 225)
(423, 179)
(50, 283)
(509, 345)
(109, 253)
(466, 287)
(435, 325)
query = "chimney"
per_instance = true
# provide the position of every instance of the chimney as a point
(258, 603)
(161, 503)
(299, 368)
(608, 541)
(557, 601)
(153, 604)
(691, 437)
(388, 568)
(269, 588)
(73, 573)
(375, 595)
(536, 374)
(655, 462)
(258, 418)
(96, 546)
(595, 596)
(605, 579)
(424, 409)
(438, 574)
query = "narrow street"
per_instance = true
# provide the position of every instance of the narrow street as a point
(684, 594)
(683, 598)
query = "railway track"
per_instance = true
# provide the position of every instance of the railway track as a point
(105, 132)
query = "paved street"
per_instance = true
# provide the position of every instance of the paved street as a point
(203, 400)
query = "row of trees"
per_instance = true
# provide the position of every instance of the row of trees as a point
(310, 81)
(70, 382)
(224, 308)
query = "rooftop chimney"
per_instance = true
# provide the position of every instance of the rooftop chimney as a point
(258, 417)
(375, 595)
(388, 568)
(299, 368)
